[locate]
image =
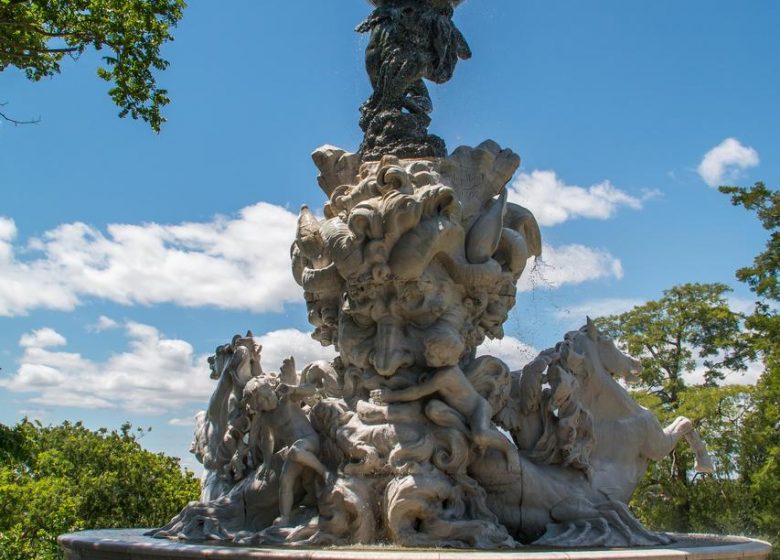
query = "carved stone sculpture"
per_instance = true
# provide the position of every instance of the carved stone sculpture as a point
(412, 266)
(399, 440)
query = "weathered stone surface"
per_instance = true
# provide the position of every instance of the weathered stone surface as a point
(128, 544)
(397, 441)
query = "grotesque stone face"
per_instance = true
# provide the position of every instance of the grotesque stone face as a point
(417, 260)
(405, 324)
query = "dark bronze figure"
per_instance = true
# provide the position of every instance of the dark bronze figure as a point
(411, 40)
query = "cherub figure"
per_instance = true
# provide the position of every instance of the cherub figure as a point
(286, 430)
(234, 449)
(523, 416)
(454, 388)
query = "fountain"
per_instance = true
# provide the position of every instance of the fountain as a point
(410, 438)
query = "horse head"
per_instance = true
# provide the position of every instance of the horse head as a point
(239, 360)
(588, 350)
(244, 363)
(219, 360)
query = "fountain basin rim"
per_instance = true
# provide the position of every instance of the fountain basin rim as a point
(131, 544)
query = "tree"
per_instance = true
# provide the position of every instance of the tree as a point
(762, 276)
(35, 35)
(690, 328)
(58, 479)
(761, 438)
(712, 504)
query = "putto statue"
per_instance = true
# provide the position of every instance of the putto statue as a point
(399, 440)
(410, 40)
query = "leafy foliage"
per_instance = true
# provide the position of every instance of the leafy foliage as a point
(58, 479)
(667, 499)
(760, 460)
(35, 35)
(690, 325)
(762, 276)
(690, 322)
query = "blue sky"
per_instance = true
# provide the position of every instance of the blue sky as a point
(126, 257)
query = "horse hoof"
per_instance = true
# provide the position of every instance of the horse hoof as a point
(704, 466)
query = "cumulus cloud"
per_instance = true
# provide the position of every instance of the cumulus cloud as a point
(553, 202)
(240, 262)
(42, 338)
(514, 352)
(283, 343)
(154, 375)
(748, 377)
(741, 305)
(235, 263)
(38, 414)
(7, 235)
(182, 422)
(569, 264)
(575, 315)
(724, 162)
(23, 286)
(103, 323)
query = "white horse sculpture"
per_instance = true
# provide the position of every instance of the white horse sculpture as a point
(232, 365)
(580, 499)
(627, 435)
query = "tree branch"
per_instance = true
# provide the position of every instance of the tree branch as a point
(65, 33)
(16, 122)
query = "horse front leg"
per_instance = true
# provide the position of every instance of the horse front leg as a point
(703, 462)
(683, 427)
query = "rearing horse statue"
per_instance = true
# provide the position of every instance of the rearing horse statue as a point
(627, 435)
(584, 445)
(232, 365)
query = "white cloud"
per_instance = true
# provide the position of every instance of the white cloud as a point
(741, 305)
(231, 263)
(103, 323)
(281, 344)
(577, 314)
(42, 338)
(514, 352)
(154, 375)
(748, 377)
(553, 202)
(188, 422)
(38, 414)
(234, 263)
(724, 162)
(569, 264)
(23, 286)
(7, 235)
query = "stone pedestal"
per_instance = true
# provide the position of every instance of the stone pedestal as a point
(130, 544)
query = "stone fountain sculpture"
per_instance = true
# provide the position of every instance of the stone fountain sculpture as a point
(399, 440)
